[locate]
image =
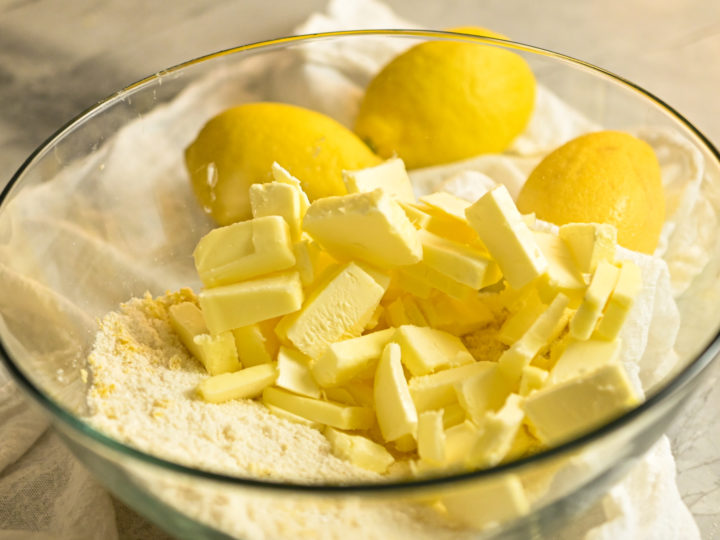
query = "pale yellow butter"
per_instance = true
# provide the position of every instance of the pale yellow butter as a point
(527, 311)
(216, 352)
(346, 359)
(337, 415)
(497, 433)
(359, 450)
(590, 243)
(459, 262)
(261, 299)
(621, 300)
(282, 175)
(430, 277)
(425, 350)
(562, 274)
(532, 378)
(246, 383)
(390, 176)
(255, 344)
(492, 502)
(244, 250)
(582, 357)
(437, 390)
(483, 392)
(294, 373)
(278, 199)
(506, 236)
(431, 437)
(458, 317)
(368, 226)
(563, 411)
(596, 296)
(396, 413)
(338, 308)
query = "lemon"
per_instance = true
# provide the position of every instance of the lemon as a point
(237, 148)
(601, 177)
(444, 101)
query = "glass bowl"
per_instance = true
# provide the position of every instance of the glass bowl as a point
(103, 212)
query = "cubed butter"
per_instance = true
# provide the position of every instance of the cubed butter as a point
(560, 412)
(244, 250)
(497, 433)
(532, 378)
(459, 441)
(246, 383)
(327, 413)
(543, 331)
(590, 243)
(458, 317)
(562, 273)
(430, 277)
(390, 176)
(278, 199)
(396, 414)
(261, 299)
(425, 350)
(621, 300)
(216, 352)
(431, 437)
(437, 390)
(294, 373)
(282, 175)
(255, 344)
(483, 392)
(582, 357)
(346, 359)
(459, 262)
(368, 226)
(529, 308)
(508, 239)
(359, 450)
(417, 217)
(338, 308)
(596, 296)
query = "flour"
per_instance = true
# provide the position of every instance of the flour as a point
(143, 394)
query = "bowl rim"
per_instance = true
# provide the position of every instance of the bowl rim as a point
(683, 377)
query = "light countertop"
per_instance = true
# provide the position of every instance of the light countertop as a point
(57, 58)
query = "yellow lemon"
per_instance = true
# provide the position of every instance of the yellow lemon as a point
(444, 101)
(237, 148)
(602, 177)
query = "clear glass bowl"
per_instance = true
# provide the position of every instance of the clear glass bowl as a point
(79, 234)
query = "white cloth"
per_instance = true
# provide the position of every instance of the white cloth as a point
(44, 492)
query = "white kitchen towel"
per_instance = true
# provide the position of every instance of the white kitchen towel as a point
(44, 492)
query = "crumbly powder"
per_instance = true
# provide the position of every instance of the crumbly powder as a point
(142, 393)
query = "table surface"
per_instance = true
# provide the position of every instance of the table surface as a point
(57, 58)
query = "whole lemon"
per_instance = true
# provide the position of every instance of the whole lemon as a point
(443, 101)
(601, 177)
(237, 148)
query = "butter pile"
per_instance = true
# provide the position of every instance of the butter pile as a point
(442, 334)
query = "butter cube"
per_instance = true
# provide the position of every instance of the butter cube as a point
(278, 199)
(448, 204)
(394, 407)
(395, 313)
(453, 415)
(255, 344)
(558, 413)
(528, 310)
(294, 373)
(405, 444)
(533, 378)
(596, 296)
(458, 317)
(447, 225)
(628, 286)
(217, 353)
(590, 243)
(483, 392)
(562, 272)
(287, 415)
(261, 299)
(280, 174)
(498, 431)
(367, 226)
(337, 309)
(430, 277)
(459, 441)
(508, 239)
(431, 437)
(425, 349)
(310, 259)
(390, 176)
(543, 331)
(438, 389)
(417, 217)
(246, 383)
(404, 283)
(346, 359)
(458, 261)
(328, 413)
(581, 357)
(494, 501)
(244, 250)
(359, 450)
